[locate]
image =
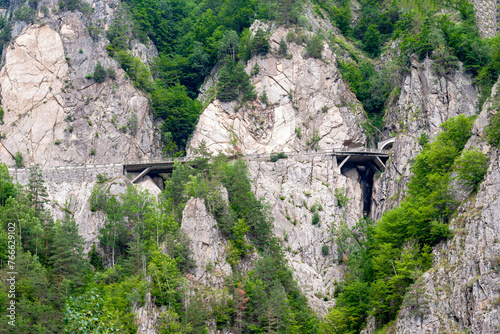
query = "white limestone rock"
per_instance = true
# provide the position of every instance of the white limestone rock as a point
(305, 95)
(207, 244)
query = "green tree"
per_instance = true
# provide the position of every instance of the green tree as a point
(67, 258)
(492, 130)
(180, 113)
(7, 188)
(471, 167)
(234, 83)
(37, 192)
(88, 314)
(228, 45)
(114, 235)
(371, 41)
(260, 43)
(199, 59)
(19, 160)
(166, 280)
(99, 73)
(314, 47)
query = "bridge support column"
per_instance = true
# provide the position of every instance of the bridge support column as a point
(379, 164)
(144, 172)
(344, 161)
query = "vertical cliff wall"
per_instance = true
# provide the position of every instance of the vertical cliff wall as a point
(460, 292)
(487, 17)
(306, 99)
(55, 116)
(425, 102)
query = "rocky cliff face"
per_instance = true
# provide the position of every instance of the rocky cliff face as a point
(53, 114)
(425, 102)
(297, 188)
(460, 293)
(306, 98)
(308, 107)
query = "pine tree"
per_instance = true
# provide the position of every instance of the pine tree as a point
(99, 73)
(260, 43)
(137, 257)
(67, 257)
(37, 192)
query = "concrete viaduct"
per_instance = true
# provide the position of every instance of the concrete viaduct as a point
(371, 157)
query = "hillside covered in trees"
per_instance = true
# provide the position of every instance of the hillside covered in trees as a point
(141, 263)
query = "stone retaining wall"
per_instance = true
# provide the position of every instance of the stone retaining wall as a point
(69, 174)
(487, 17)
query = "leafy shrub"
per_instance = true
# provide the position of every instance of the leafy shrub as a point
(283, 48)
(471, 168)
(85, 314)
(137, 71)
(255, 70)
(444, 63)
(371, 41)
(297, 36)
(45, 10)
(1, 115)
(18, 158)
(26, 14)
(110, 72)
(276, 156)
(74, 5)
(99, 73)
(315, 218)
(325, 250)
(314, 47)
(493, 130)
(342, 199)
(102, 178)
(298, 132)
(132, 123)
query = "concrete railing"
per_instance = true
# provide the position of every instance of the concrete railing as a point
(262, 155)
(88, 173)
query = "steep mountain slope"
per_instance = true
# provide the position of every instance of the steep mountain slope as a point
(69, 106)
(53, 115)
(461, 292)
(425, 102)
(56, 116)
(308, 108)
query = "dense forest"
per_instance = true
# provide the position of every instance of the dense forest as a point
(60, 289)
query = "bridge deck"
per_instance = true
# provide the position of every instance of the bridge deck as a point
(359, 155)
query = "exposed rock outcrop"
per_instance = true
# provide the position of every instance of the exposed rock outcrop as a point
(207, 244)
(306, 98)
(425, 102)
(308, 107)
(54, 115)
(461, 291)
(297, 188)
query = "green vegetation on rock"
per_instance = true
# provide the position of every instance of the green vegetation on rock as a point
(384, 259)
